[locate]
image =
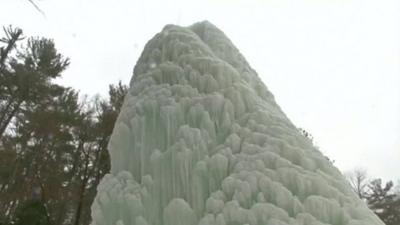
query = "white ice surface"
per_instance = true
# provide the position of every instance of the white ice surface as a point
(200, 140)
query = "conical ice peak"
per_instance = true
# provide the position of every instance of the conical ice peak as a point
(201, 141)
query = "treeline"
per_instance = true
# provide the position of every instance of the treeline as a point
(52, 144)
(382, 198)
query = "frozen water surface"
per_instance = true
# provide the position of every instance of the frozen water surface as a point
(201, 140)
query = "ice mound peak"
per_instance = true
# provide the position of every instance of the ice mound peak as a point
(201, 141)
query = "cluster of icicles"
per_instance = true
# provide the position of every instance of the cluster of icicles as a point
(201, 141)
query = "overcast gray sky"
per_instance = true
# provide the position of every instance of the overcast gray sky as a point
(333, 65)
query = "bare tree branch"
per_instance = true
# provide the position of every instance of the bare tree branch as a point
(358, 180)
(37, 7)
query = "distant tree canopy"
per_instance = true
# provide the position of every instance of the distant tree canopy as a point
(382, 199)
(53, 146)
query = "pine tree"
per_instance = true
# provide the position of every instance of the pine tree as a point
(96, 132)
(26, 73)
(30, 119)
(53, 146)
(384, 202)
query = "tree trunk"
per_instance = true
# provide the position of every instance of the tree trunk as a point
(82, 192)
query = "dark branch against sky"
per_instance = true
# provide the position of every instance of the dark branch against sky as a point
(37, 7)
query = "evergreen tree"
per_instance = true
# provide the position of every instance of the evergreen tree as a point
(384, 202)
(26, 73)
(96, 132)
(44, 144)
(32, 212)
(32, 121)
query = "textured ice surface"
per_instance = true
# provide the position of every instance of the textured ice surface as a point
(200, 140)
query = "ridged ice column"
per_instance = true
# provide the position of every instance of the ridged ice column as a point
(201, 141)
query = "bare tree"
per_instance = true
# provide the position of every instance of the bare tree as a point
(358, 180)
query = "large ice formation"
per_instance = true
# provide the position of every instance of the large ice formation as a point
(200, 140)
